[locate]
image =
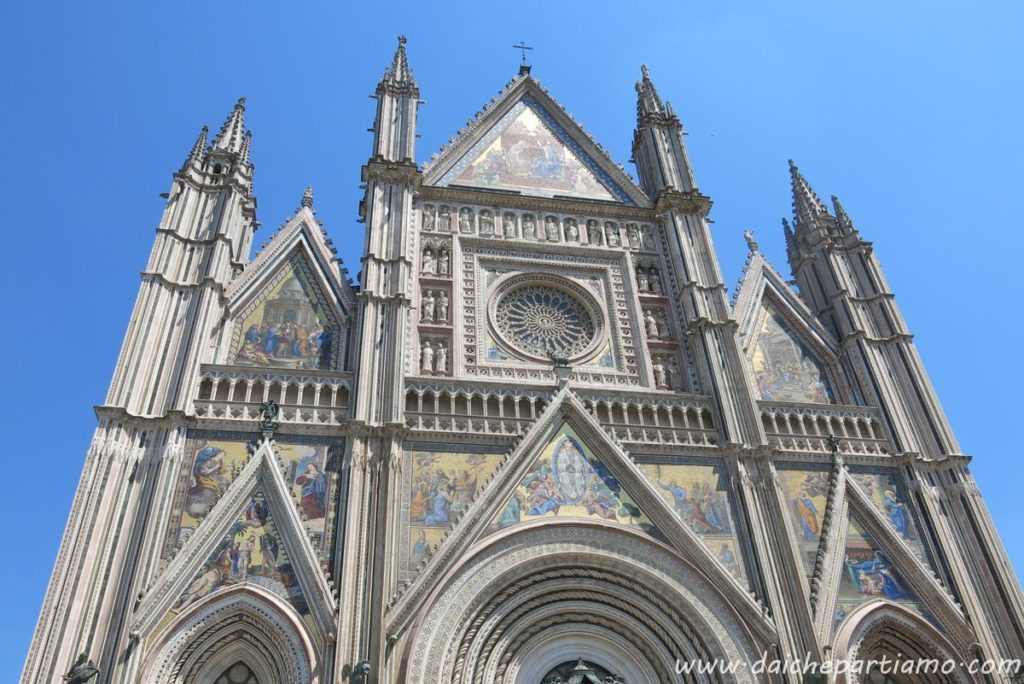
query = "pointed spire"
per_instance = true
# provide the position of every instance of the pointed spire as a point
(307, 197)
(231, 133)
(846, 226)
(648, 102)
(243, 152)
(806, 204)
(399, 75)
(199, 147)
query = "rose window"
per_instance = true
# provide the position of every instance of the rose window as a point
(543, 321)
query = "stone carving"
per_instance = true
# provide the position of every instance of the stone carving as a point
(442, 307)
(611, 234)
(572, 233)
(84, 671)
(428, 217)
(427, 359)
(655, 281)
(594, 235)
(445, 222)
(646, 238)
(427, 312)
(633, 234)
(529, 227)
(508, 222)
(551, 228)
(543, 320)
(429, 265)
(443, 262)
(486, 222)
(441, 360)
(651, 324)
(641, 280)
(465, 220)
(268, 415)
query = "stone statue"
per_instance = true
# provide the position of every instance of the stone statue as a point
(428, 217)
(427, 359)
(428, 307)
(594, 235)
(572, 233)
(445, 224)
(361, 672)
(551, 228)
(465, 220)
(655, 281)
(611, 233)
(641, 280)
(441, 361)
(429, 265)
(646, 238)
(660, 376)
(529, 227)
(443, 261)
(509, 227)
(442, 307)
(633, 233)
(651, 324)
(486, 223)
(83, 671)
(663, 326)
(268, 415)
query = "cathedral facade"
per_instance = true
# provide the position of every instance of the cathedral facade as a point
(537, 441)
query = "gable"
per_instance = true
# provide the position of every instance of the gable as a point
(785, 368)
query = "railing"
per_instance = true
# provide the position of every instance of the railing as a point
(451, 407)
(806, 428)
(675, 420)
(235, 393)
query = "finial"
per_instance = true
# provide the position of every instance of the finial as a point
(401, 40)
(748, 235)
(307, 197)
(645, 72)
(648, 102)
(230, 136)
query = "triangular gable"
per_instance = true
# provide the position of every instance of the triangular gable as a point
(472, 528)
(526, 143)
(259, 493)
(566, 480)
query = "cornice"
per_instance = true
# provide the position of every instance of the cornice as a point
(571, 206)
(690, 202)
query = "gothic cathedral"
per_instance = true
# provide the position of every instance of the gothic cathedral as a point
(536, 442)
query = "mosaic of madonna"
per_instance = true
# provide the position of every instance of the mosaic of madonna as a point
(289, 327)
(526, 156)
(698, 493)
(213, 464)
(785, 369)
(568, 481)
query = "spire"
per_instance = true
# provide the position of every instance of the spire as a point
(232, 132)
(846, 226)
(243, 152)
(398, 76)
(307, 197)
(199, 147)
(648, 102)
(807, 206)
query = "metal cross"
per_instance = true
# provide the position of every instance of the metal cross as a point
(522, 47)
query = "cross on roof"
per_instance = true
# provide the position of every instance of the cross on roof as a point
(522, 47)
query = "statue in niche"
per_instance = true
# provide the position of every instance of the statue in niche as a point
(646, 238)
(673, 373)
(465, 220)
(551, 229)
(486, 223)
(509, 224)
(441, 361)
(641, 280)
(651, 325)
(428, 307)
(427, 359)
(443, 261)
(663, 330)
(428, 217)
(445, 222)
(83, 671)
(442, 306)
(429, 265)
(594, 235)
(529, 227)
(633, 234)
(660, 374)
(611, 233)
(655, 281)
(572, 233)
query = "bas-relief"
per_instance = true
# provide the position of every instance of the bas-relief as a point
(289, 328)
(215, 464)
(567, 481)
(526, 156)
(785, 369)
(697, 494)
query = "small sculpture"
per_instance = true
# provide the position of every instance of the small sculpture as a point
(529, 227)
(651, 324)
(465, 220)
(428, 217)
(655, 281)
(441, 360)
(611, 233)
(429, 265)
(268, 415)
(361, 672)
(594, 235)
(551, 228)
(572, 233)
(660, 375)
(641, 280)
(633, 233)
(486, 223)
(83, 671)
(427, 359)
(445, 223)
(442, 307)
(509, 225)
(428, 307)
(646, 238)
(443, 261)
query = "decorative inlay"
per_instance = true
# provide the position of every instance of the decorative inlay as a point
(539, 321)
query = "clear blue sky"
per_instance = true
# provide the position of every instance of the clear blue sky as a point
(909, 111)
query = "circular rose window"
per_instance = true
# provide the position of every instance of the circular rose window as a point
(542, 321)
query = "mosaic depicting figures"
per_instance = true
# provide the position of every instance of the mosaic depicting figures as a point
(215, 465)
(868, 574)
(289, 328)
(887, 494)
(443, 486)
(567, 481)
(526, 156)
(252, 552)
(698, 495)
(785, 369)
(806, 491)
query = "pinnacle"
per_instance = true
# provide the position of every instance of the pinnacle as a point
(307, 197)
(199, 147)
(399, 74)
(806, 203)
(648, 102)
(232, 132)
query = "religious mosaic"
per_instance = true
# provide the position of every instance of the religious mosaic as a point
(566, 480)
(806, 492)
(886, 491)
(524, 154)
(252, 552)
(868, 574)
(443, 486)
(214, 465)
(698, 493)
(785, 369)
(289, 328)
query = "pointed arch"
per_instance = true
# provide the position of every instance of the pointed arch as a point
(244, 623)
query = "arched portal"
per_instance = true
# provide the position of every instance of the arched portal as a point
(243, 635)
(522, 604)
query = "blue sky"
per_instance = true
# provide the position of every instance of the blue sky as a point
(909, 111)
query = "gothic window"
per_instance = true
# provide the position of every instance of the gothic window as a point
(239, 673)
(541, 320)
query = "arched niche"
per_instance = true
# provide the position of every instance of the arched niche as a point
(243, 623)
